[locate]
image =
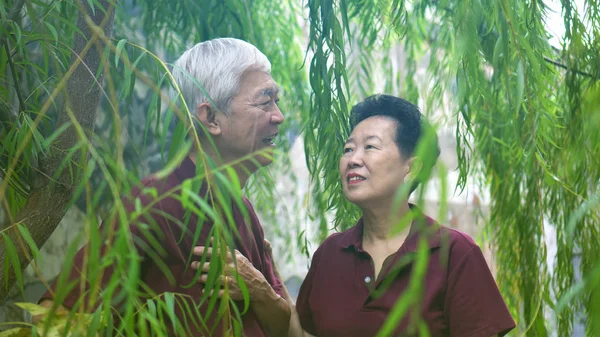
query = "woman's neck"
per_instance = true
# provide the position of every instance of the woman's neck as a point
(379, 223)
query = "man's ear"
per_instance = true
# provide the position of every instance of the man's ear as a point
(207, 115)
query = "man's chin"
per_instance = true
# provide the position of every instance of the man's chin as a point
(265, 156)
(258, 161)
(263, 160)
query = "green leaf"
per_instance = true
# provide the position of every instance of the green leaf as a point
(207, 208)
(3, 10)
(17, 31)
(411, 295)
(245, 294)
(45, 144)
(52, 30)
(3, 60)
(34, 249)
(16, 332)
(32, 308)
(13, 257)
(95, 324)
(498, 51)
(175, 161)
(592, 203)
(119, 50)
(520, 86)
(151, 308)
(170, 303)
(92, 7)
(568, 298)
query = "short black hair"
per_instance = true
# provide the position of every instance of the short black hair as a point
(411, 125)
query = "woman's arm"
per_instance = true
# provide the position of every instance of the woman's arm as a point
(295, 329)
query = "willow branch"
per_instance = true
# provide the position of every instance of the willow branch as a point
(560, 65)
(13, 16)
(15, 77)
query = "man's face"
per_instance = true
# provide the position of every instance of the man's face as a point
(253, 123)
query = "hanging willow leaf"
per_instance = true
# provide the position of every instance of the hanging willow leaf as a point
(412, 295)
(520, 88)
(16, 332)
(13, 261)
(119, 50)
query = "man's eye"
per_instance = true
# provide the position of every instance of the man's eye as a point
(370, 147)
(266, 103)
(347, 149)
(277, 102)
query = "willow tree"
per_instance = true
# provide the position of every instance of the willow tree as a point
(525, 116)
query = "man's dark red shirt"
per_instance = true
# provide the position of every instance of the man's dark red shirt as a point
(177, 242)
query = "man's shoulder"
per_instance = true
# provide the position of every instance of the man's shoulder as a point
(163, 184)
(154, 189)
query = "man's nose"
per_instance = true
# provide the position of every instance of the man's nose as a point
(277, 116)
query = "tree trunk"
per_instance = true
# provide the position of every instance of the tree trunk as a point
(48, 200)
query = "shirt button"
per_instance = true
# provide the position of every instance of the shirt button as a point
(367, 279)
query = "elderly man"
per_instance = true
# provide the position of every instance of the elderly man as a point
(236, 119)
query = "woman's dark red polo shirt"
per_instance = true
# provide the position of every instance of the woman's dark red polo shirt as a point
(460, 296)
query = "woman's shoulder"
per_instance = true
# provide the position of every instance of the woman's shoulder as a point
(346, 238)
(334, 247)
(460, 244)
(340, 240)
(457, 237)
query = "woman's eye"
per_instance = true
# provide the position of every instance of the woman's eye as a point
(347, 149)
(370, 147)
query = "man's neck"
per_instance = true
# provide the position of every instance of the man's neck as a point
(242, 173)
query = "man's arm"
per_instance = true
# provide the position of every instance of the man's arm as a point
(273, 311)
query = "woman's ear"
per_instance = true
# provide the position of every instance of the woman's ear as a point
(413, 167)
(207, 115)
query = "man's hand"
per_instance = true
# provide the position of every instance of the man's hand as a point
(48, 304)
(268, 248)
(272, 310)
(237, 267)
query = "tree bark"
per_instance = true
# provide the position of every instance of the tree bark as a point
(48, 200)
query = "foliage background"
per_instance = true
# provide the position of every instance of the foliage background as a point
(526, 116)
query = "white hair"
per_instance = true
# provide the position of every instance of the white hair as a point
(217, 66)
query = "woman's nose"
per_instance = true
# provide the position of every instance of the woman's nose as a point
(355, 159)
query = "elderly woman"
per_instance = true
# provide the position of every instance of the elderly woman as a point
(358, 275)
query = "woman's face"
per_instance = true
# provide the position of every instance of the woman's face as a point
(372, 168)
